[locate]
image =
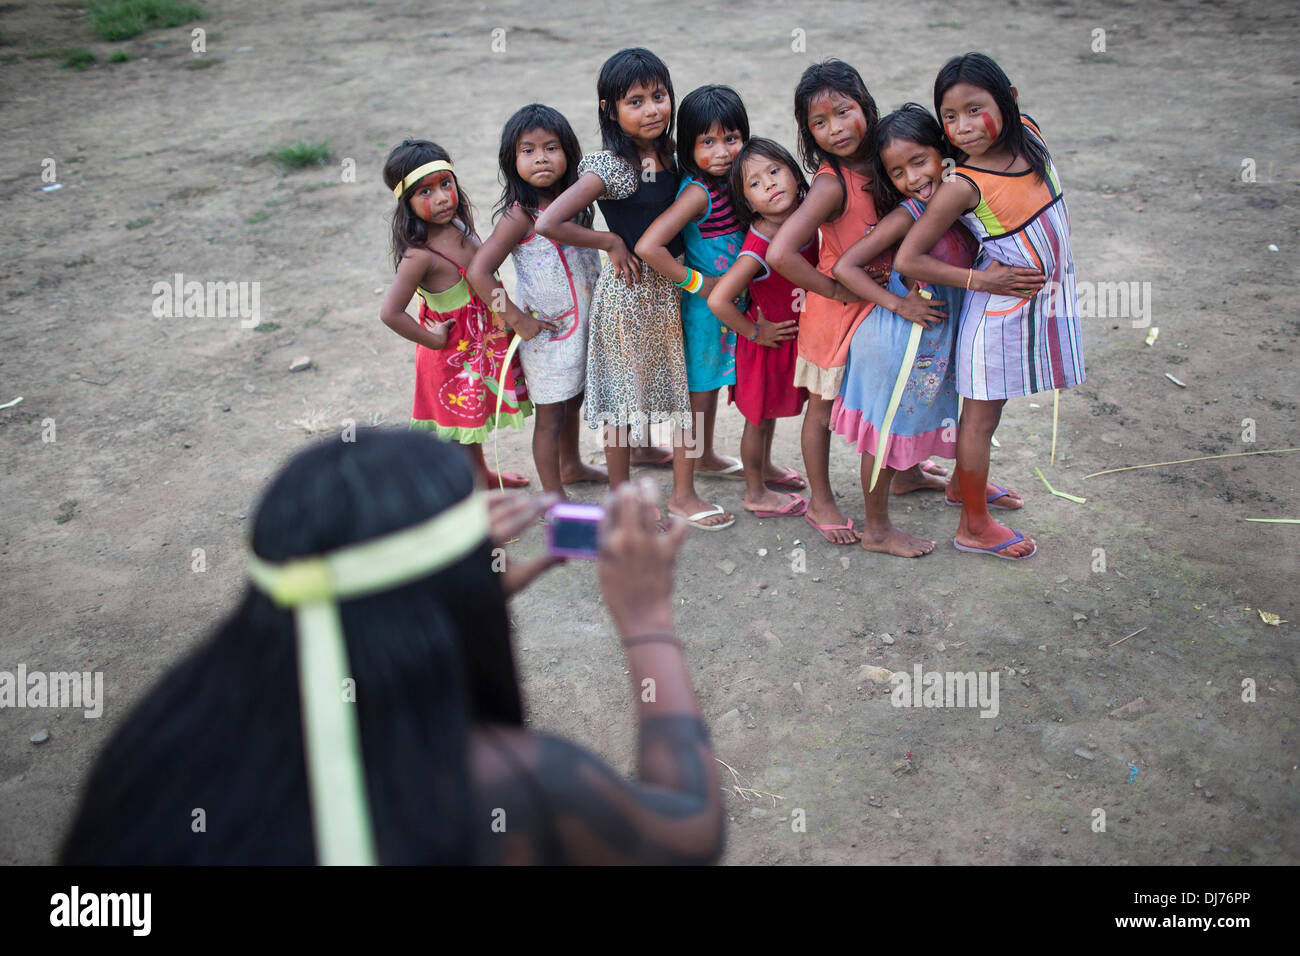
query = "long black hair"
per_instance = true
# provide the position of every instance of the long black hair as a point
(760, 146)
(409, 230)
(838, 77)
(701, 110)
(222, 731)
(980, 70)
(911, 123)
(619, 74)
(515, 189)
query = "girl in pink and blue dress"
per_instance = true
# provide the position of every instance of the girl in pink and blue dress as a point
(539, 159)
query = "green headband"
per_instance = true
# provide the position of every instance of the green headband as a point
(313, 587)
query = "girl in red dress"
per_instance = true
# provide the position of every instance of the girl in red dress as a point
(460, 348)
(766, 188)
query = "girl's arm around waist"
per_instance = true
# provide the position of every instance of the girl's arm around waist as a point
(511, 229)
(556, 222)
(783, 255)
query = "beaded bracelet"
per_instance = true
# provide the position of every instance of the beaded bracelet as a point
(754, 337)
(693, 282)
(654, 637)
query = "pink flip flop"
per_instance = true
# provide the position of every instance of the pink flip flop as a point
(823, 528)
(790, 481)
(796, 506)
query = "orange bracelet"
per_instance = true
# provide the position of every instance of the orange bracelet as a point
(969, 273)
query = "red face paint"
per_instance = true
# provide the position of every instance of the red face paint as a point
(947, 129)
(991, 125)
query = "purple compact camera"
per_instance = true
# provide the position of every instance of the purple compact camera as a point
(573, 531)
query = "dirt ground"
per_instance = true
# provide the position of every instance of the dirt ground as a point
(167, 429)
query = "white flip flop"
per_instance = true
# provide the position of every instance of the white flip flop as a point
(694, 520)
(733, 472)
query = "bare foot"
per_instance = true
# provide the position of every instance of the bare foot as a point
(996, 496)
(712, 464)
(992, 535)
(889, 540)
(652, 456)
(580, 472)
(833, 516)
(507, 479)
(685, 507)
(770, 501)
(914, 479)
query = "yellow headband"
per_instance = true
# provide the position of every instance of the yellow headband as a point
(312, 587)
(415, 175)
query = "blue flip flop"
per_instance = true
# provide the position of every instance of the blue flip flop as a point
(1002, 493)
(1018, 537)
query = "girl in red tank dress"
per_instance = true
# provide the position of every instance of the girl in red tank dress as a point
(767, 187)
(460, 347)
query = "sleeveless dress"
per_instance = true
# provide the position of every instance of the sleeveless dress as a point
(555, 282)
(764, 376)
(636, 370)
(712, 244)
(925, 423)
(828, 325)
(456, 386)
(1009, 346)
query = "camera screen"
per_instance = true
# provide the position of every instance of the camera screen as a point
(577, 535)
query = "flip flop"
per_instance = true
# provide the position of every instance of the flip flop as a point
(790, 481)
(795, 507)
(695, 519)
(733, 472)
(823, 528)
(932, 467)
(1018, 537)
(1002, 493)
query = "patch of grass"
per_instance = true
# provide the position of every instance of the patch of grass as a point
(302, 154)
(257, 217)
(139, 223)
(315, 186)
(121, 56)
(204, 63)
(124, 19)
(77, 58)
(266, 326)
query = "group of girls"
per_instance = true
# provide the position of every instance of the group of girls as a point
(921, 262)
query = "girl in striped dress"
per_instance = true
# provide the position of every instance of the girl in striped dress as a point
(1019, 328)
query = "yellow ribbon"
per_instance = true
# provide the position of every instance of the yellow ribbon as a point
(900, 383)
(313, 587)
(415, 175)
